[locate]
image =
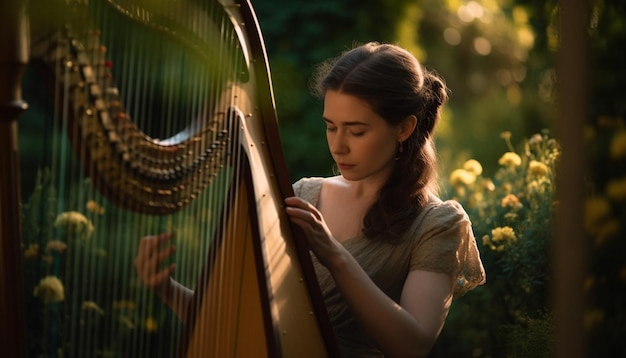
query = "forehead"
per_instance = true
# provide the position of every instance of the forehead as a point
(340, 108)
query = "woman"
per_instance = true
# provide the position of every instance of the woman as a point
(389, 254)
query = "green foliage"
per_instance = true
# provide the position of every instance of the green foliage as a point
(531, 338)
(511, 214)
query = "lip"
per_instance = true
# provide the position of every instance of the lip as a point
(344, 166)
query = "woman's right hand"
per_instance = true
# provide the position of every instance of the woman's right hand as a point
(150, 256)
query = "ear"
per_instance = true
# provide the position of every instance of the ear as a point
(406, 128)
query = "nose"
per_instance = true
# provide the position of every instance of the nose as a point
(338, 143)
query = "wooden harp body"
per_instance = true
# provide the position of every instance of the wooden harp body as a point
(156, 115)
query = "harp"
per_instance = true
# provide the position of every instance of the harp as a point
(146, 116)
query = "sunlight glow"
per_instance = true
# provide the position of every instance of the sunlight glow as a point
(482, 46)
(504, 77)
(470, 11)
(525, 36)
(452, 36)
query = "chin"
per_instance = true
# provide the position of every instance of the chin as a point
(350, 176)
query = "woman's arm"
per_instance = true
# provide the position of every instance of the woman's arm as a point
(406, 330)
(178, 298)
(148, 262)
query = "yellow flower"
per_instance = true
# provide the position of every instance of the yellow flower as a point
(489, 185)
(151, 324)
(50, 289)
(588, 283)
(597, 209)
(487, 242)
(126, 322)
(618, 145)
(610, 122)
(475, 199)
(512, 201)
(31, 251)
(535, 139)
(92, 306)
(510, 160)
(616, 189)
(473, 166)
(56, 245)
(536, 168)
(504, 233)
(129, 305)
(75, 223)
(95, 207)
(462, 177)
(593, 317)
(606, 230)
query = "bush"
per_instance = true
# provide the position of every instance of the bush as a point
(511, 215)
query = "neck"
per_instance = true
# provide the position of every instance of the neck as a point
(365, 189)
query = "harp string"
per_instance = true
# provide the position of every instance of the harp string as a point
(106, 310)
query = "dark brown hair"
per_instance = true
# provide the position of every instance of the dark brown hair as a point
(395, 85)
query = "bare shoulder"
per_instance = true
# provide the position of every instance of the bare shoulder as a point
(337, 180)
(333, 189)
(334, 185)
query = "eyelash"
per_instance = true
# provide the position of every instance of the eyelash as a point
(356, 134)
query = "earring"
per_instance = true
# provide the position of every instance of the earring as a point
(400, 150)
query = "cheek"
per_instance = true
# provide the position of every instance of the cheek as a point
(382, 149)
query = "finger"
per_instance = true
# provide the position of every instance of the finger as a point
(165, 254)
(164, 237)
(160, 277)
(148, 260)
(298, 214)
(306, 212)
(146, 246)
(297, 202)
(155, 258)
(149, 244)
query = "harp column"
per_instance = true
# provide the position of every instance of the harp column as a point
(13, 59)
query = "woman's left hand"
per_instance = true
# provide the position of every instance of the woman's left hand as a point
(319, 237)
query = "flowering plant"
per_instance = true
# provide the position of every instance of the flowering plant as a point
(511, 213)
(68, 279)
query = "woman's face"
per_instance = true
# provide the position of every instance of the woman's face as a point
(361, 142)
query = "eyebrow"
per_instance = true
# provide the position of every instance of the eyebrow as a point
(351, 123)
